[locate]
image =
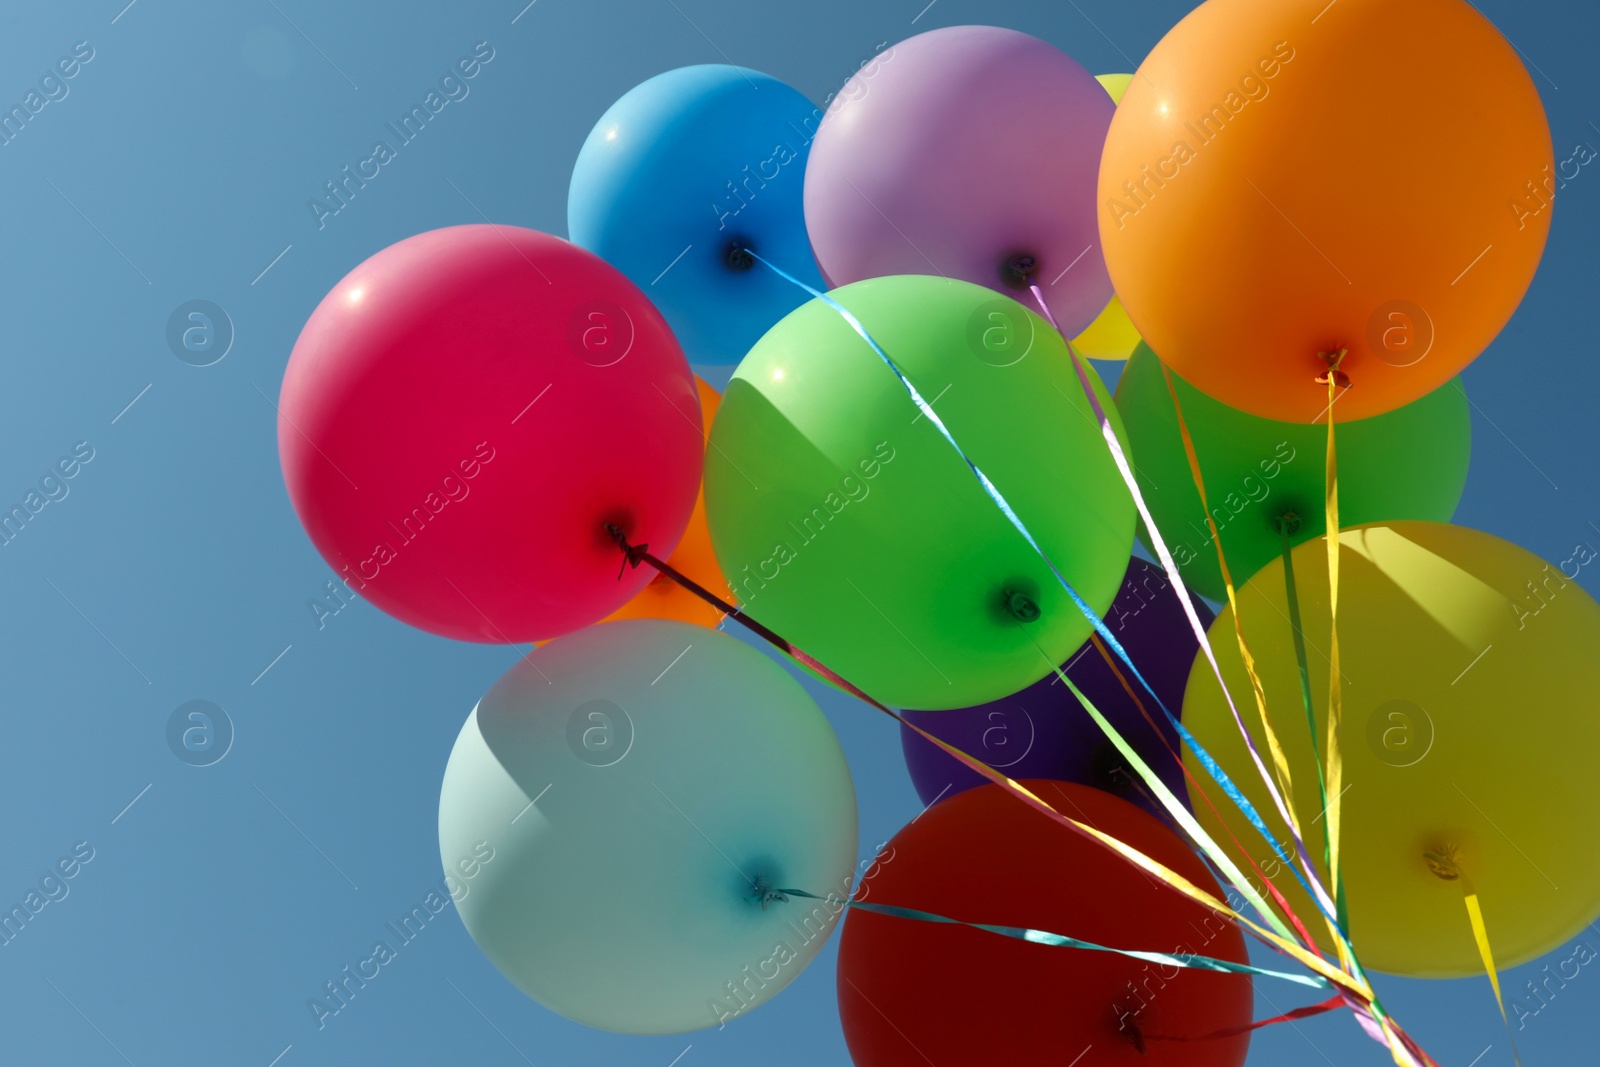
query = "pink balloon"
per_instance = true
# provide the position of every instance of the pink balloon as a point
(465, 411)
(954, 153)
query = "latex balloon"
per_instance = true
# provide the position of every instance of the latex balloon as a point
(628, 791)
(1111, 335)
(1410, 463)
(1469, 667)
(682, 173)
(964, 152)
(846, 522)
(1043, 732)
(662, 598)
(1245, 238)
(1114, 84)
(462, 415)
(909, 990)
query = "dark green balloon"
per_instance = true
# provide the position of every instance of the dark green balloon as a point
(1410, 463)
(844, 521)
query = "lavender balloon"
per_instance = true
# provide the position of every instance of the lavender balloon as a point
(971, 152)
(1042, 732)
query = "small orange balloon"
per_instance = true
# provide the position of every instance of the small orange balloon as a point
(1377, 178)
(664, 598)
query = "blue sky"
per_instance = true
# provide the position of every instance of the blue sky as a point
(175, 165)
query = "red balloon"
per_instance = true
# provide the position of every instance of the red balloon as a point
(464, 413)
(912, 991)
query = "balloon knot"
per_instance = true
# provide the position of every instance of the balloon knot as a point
(739, 257)
(1333, 360)
(1443, 863)
(1022, 607)
(1017, 271)
(765, 894)
(632, 555)
(1289, 523)
(1129, 1029)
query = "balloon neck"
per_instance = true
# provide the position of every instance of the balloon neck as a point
(1444, 863)
(1129, 1030)
(764, 893)
(1289, 523)
(1108, 769)
(739, 256)
(632, 555)
(1334, 360)
(1021, 606)
(1017, 271)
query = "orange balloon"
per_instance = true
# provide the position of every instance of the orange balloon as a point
(1274, 186)
(664, 598)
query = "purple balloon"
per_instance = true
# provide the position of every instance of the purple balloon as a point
(1042, 732)
(957, 152)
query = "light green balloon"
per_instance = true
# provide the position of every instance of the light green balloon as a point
(1409, 463)
(611, 806)
(844, 520)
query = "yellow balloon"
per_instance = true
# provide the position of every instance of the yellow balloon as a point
(1471, 671)
(1111, 336)
(1115, 84)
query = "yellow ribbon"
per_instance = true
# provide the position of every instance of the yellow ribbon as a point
(1444, 865)
(1357, 985)
(1280, 759)
(1335, 772)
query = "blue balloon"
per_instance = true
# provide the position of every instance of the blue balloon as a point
(617, 809)
(682, 172)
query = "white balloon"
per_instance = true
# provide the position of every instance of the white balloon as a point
(635, 787)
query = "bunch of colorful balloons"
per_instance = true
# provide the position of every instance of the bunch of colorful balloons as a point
(918, 488)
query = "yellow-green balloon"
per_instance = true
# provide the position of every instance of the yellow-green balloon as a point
(1470, 670)
(1409, 463)
(1115, 85)
(843, 520)
(1111, 336)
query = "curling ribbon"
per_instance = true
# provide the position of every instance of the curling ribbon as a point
(1197, 789)
(1401, 1047)
(1310, 882)
(1335, 775)
(1044, 937)
(1214, 769)
(1306, 1012)
(1292, 596)
(1279, 759)
(1335, 921)
(1444, 865)
(635, 554)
